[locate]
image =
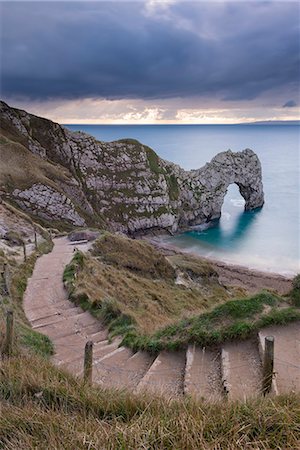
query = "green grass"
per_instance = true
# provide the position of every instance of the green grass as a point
(235, 319)
(49, 409)
(295, 292)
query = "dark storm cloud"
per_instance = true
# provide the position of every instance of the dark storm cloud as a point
(233, 51)
(290, 104)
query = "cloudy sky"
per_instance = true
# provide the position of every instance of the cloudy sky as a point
(152, 61)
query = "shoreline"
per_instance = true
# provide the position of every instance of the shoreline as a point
(253, 280)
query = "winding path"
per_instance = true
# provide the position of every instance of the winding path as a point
(234, 370)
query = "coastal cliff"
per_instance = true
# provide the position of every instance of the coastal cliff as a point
(70, 177)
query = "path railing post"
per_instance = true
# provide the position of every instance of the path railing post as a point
(8, 344)
(24, 251)
(4, 279)
(268, 365)
(35, 239)
(88, 362)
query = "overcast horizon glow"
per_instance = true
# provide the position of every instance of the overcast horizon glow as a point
(160, 62)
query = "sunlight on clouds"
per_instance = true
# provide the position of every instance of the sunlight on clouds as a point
(138, 111)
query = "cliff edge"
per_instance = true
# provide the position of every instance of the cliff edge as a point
(63, 176)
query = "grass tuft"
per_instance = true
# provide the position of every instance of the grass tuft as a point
(48, 408)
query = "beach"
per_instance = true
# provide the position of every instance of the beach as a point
(234, 275)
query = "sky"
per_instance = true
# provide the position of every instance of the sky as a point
(152, 61)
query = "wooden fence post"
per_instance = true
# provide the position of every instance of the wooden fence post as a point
(8, 345)
(35, 239)
(88, 362)
(24, 251)
(268, 365)
(4, 278)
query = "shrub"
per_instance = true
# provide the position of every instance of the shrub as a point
(295, 292)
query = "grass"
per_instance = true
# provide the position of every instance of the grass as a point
(20, 168)
(235, 319)
(131, 285)
(48, 409)
(155, 314)
(135, 255)
(295, 291)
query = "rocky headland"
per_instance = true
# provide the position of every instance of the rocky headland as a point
(66, 177)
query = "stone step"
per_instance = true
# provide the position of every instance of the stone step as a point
(286, 356)
(99, 336)
(38, 324)
(241, 369)
(67, 327)
(202, 378)
(41, 313)
(135, 368)
(165, 375)
(68, 349)
(74, 362)
(109, 370)
(84, 319)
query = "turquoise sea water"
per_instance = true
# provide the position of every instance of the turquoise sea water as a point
(267, 239)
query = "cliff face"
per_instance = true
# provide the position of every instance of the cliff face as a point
(123, 185)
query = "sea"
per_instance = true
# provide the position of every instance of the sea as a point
(267, 239)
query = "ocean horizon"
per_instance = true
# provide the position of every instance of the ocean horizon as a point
(267, 239)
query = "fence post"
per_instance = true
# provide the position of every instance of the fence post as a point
(9, 334)
(268, 365)
(35, 239)
(24, 251)
(4, 278)
(88, 362)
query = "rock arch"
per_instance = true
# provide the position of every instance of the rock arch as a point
(203, 201)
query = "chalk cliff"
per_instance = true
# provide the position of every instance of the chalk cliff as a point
(63, 176)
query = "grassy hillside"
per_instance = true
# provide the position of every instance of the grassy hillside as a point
(20, 168)
(133, 286)
(48, 409)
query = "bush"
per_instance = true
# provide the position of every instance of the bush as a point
(295, 292)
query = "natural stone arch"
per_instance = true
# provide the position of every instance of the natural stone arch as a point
(210, 184)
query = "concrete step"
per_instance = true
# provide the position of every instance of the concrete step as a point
(202, 378)
(44, 322)
(41, 313)
(286, 356)
(165, 375)
(99, 336)
(135, 368)
(109, 370)
(241, 369)
(84, 319)
(74, 362)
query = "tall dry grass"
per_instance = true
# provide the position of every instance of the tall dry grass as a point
(48, 409)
